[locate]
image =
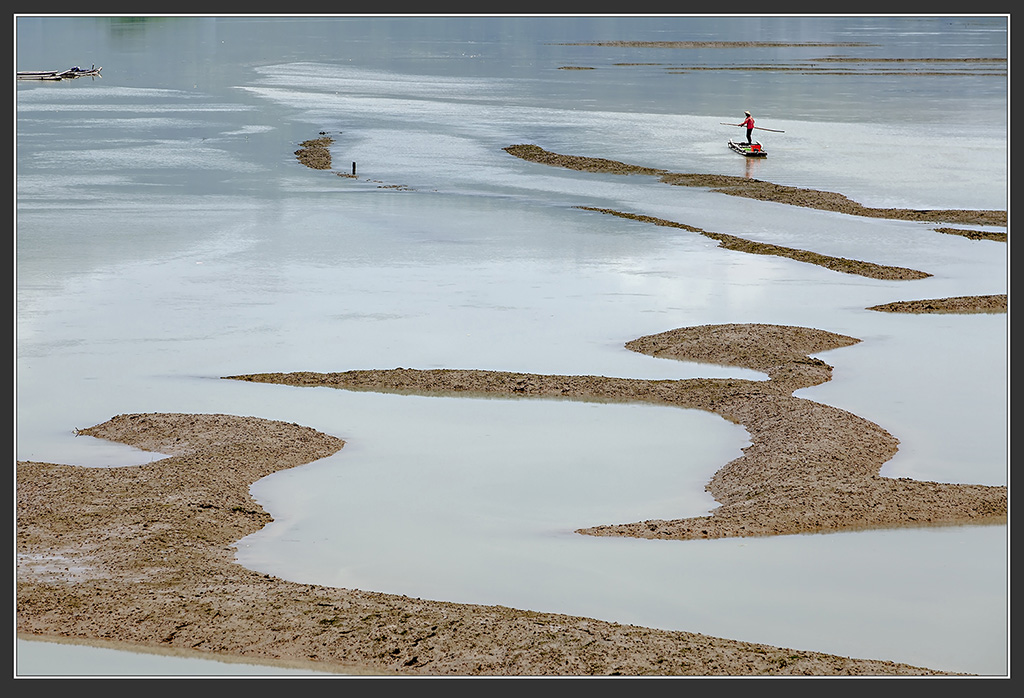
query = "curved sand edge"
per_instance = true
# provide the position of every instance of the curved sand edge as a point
(996, 303)
(184, 653)
(757, 189)
(142, 557)
(810, 468)
(732, 242)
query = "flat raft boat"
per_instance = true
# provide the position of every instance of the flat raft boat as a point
(68, 74)
(750, 150)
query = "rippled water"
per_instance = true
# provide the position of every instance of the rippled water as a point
(166, 236)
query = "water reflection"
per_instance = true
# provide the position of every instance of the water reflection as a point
(167, 237)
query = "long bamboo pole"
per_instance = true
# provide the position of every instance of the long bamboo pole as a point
(759, 128)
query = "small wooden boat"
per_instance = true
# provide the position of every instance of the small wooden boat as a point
(750, 150)
(70, 73)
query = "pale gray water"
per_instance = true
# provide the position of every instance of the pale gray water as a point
(166, 236)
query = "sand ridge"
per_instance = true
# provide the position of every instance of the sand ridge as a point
(810, 467)
(756, 189)
(142, 556)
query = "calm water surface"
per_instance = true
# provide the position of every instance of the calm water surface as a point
(166, 236)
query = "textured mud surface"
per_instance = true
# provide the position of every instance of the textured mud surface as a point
(142, 557)
(738, 244)
(756, 189)
(996, 303)
(810, 467)
(315, 153)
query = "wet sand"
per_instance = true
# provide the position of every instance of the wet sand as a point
(757, 189)
(315, 153)
(810, 468)
(142, 557)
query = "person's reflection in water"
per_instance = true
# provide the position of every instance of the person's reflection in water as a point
(751, 167)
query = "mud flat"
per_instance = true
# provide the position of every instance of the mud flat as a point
(810, 468)
(757, 189)
(142, 557)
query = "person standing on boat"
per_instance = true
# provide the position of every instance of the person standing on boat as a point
(749, 123)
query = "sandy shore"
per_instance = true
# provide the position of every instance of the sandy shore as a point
(756, 189)
(810, 468)
(142, 557)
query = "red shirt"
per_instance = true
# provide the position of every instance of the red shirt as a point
(748, 122)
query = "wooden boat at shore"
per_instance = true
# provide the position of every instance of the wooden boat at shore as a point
(750, 150)
(70, 73)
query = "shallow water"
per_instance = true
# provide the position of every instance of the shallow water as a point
(166, 237)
